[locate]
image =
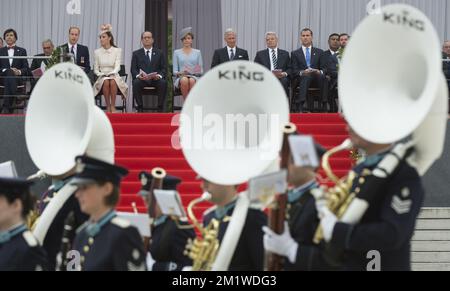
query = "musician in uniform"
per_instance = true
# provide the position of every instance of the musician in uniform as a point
(249, 252)
(166, 250)
(388, 224)
(105, 242)
(53, 240)
(19, 249)
(296, 243)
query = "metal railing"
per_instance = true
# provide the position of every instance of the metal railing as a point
(26, 57)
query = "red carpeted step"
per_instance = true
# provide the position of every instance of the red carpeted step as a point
(322, 129)
(164, 118)
(150, 163)
(317, 118)
(151, 152)
(144, 129)
(143, 140)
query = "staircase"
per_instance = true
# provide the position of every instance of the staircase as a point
(143, 141)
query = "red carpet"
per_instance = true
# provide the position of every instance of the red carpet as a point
(143, 141)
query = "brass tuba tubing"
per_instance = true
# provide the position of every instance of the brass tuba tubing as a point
(341, 188)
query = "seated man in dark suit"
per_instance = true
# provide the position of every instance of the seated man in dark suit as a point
(12, 69)
(80, 52)
(47, 47)
(229, 53)
(152, 62)
(446, 64)
(446, 58)
(276, 60)
(330, 63)
(307, 71)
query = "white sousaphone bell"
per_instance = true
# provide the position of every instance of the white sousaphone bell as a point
(391, 86)
(232, 154)
(391, 83)
(63, 122)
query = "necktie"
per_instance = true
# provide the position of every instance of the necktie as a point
(274, 60)
(308, 57)
(72, 51)
(231, 54)
(11, 47)
(149, 56)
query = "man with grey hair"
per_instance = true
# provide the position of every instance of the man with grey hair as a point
(231, 52)
(47, 48)
(276, 60)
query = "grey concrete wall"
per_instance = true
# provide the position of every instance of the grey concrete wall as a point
(13, 148)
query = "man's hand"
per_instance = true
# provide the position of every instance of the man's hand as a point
(279, 74)
(16, 72)
(307, 72)
(283, 245)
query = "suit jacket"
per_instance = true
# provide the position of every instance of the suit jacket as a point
(284, 60)
(446, 66)
(83, 57)
(298, 60)
(36, 64)
(221, 56)
(329, 64)
(140, 62)
(22, 65)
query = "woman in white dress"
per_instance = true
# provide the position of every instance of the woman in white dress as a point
(187, 64)
(106, 67)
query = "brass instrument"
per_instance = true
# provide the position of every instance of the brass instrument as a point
(339, 197)
(203, 250)
(32, 219)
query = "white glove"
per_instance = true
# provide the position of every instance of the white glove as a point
(187, 269)
(150, 261)
(318, 193)
(283, 245)
(328, 220)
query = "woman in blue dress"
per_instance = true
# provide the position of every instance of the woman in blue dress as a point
(187, 64)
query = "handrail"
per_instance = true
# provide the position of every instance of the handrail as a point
(26, 57)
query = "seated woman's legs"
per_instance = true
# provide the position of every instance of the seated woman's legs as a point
(113, 86)
(184, 86)
(192, 82)
(106, 89)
